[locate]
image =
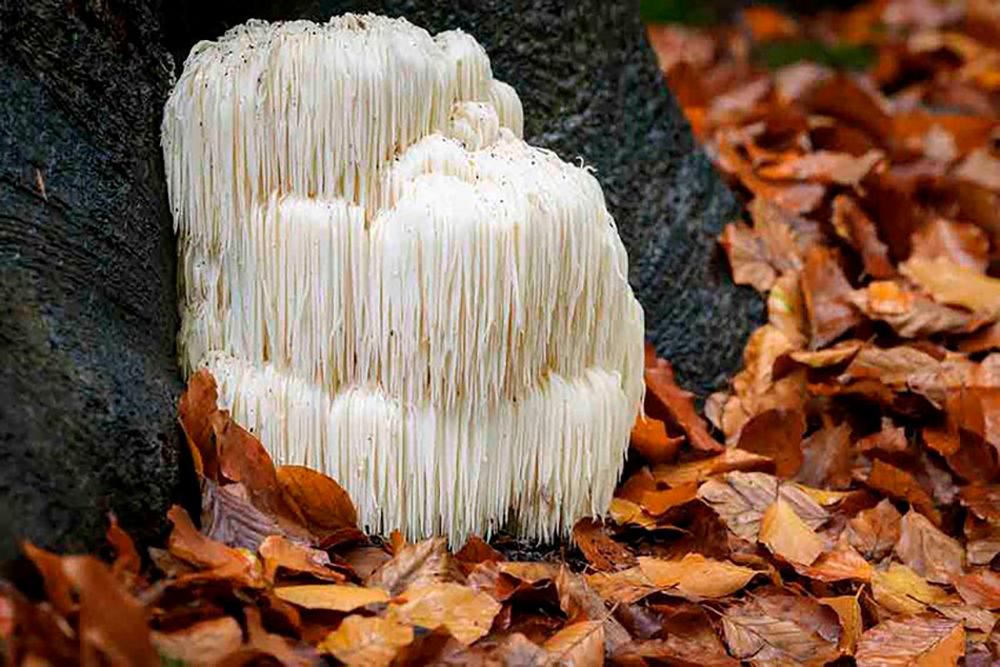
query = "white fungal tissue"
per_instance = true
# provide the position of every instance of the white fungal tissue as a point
(391, 286)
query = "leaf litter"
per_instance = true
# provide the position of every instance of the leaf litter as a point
(837, 503)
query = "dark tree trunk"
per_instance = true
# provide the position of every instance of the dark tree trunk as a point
(88, 377)
(591, 88)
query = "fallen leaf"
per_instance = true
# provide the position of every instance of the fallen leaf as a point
(467, 614)
(577, 645)
(697, 471)
(57, 585)
(189, 545)
(649, 437)
(900, 484)
(831, 356)
(827, 296)
(909, 314)
(961, 243)
(320, 501)
(983, 501)
(243, 459)
(973, 618)
(827, 457)
(475, 550)
(874, 532)
(227, 516)
(854, 225)
(657, 503)
(679, 407)
(740, 499)
(980, 588)
(913, 642)
(195, 409)
(601, 551)
(695, 577)
(204, 643)
(776, 434)
(786, 309)
(894, 366)
(333, 597)
(421, 563)
(890, 439)
(788, 536)
(981, 168)
(956, 285)
(127, 563)
(782, 630)
(824, 167)
(901, 590)
(367, 640)
(625, 512)
(279, 553)
(113, 626)
(624, 586)
(928, 551)
(851, 622)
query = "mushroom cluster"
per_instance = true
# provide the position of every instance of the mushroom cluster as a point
(391, 286)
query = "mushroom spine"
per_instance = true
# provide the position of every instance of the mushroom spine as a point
(391, 286)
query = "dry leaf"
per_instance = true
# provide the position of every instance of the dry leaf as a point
(188, 544)
(698, 471)
(320, 502)
(600, 550)
(367, 641)
(961, 243)
(278, 552)
(624, 586)
(695, 576)
(788, 536)
(678, 406)
(854, 225)
(874, 531)
(920, 641)
(928, 551)
(776, 434)
(827, 296)
(825, 167)
(851, 622)
(841, 563)
(782, 630)
(657, 503)
(467, 614)
(421, 563)
(956, 285)
(901, 590)
(980, 588)
(333, 597)
(577, 645)
(900, 484)
(204, 643)
(649, 437)
(827, 457)
(195, 409)
(740, 499)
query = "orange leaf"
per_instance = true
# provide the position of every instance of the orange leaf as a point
(466, 613)
(827, 295)
(280, 553)
(928, 551)
(597, 546)
(367, 641)
(920, 641)
(776, 434)
(901, 485)
(649, 438)
(195, 409)
(320, 501)
(679, 407)
(695, 577)
(787, 535)
(980, 588)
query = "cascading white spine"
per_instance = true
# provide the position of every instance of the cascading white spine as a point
(391, 286)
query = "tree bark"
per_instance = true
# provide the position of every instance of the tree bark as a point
(591, 89)
(88, 377)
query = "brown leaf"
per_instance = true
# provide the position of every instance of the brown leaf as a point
(842, 563)
(786, 309)
(826, 458)
(961, 243)
(776, 434)
(695, 577)
(624, 586)
(320, 501)
(981, 168)
(577, 645)
(851, 622)
(679, 407)
(854, 225)
(112, 624)
(195, 409)
(625, 512)
(824, 167)
(911, 315)
(657, 503)
(788, 536)
(467, 614)
(827, 296)
(830, 356)
(597, 546)
(279, 553)
(698, 471)
(57, 585)
(842, 97)
(243, 459)
(760, 254)
(901, 485)
(649, 437)
(204, 643)
(912, 642)
(980, 588)
(188, 544)
(748, 257)
(973, 618)
(127, 561)
(740, 499)
(582, 603)
(421, 563)
(928, 551)
(874, 531)
(333, 597)
(228, 517)
(475, 550)
(956, 285)
(902, 591)
(679, 651)
(894, 366)
(983, 501)
(367, 640)
(890, 439)
(782, 630)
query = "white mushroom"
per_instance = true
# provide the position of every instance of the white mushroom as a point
(391, 286)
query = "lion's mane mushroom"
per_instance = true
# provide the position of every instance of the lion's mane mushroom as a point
(391, 286)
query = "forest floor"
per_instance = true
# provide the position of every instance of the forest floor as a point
(838, 504)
